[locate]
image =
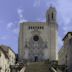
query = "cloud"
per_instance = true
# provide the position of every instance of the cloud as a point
(17, 25)
(41, 19)
(16, 30)
(51, 3)
(3, 37)
(13, 27)
(21, 17)
(64, 11)
(36, 3)
(65, 7)
(20, 13)
(67, 26)
(10, 25)
(23, 20)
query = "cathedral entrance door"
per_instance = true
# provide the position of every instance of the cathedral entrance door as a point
(36, 58)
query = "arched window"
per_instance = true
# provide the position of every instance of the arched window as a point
(52, 16)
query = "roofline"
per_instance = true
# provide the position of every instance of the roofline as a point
(12, 50)
(66, 35)
(9, 48)
(6, 56)
(32, 22)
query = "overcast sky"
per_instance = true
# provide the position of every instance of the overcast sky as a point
(14, 11)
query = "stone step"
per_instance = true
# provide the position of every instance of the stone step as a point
(37, 67)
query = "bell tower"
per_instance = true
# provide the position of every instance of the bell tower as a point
(51, 15)
(52, 32)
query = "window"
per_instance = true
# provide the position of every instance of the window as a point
(38, 27)
(52, 16)
(35, 27)
(29, 27)
(42, 27)
(36, 38)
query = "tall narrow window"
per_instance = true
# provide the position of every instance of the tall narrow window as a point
(52, 16)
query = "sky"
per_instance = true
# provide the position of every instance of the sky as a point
(12, 12)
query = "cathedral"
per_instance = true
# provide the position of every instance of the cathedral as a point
(37, 50)
(38, 40)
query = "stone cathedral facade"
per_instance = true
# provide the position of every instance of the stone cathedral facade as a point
(38, 40)
(37, 50)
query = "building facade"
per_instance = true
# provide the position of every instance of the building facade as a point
(7, 58)
(4, 62)
(37, 50)
(65, 53)
(38, 40)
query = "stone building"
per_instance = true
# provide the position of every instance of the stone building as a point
(37, 50)
(65, 53)
(62, 56)
(4, 59)
(38, 40)
(11, 54)
(7, 58)
(38, 43)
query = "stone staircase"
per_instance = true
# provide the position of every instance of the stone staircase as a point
(37, 67)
